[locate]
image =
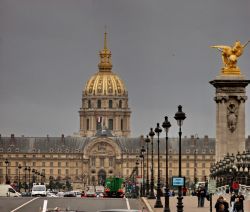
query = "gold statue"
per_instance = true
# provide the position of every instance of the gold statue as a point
(230, 56)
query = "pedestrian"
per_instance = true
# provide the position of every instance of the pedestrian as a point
(221, 205)
(202, 194)
(198, 197)
(241, 200)
(232, 201)
(237, 206)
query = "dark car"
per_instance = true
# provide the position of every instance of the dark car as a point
(69, 194)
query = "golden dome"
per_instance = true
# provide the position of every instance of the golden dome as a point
(105, 82)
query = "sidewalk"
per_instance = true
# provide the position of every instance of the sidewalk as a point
(190, 204)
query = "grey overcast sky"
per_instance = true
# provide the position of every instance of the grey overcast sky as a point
(160, 48)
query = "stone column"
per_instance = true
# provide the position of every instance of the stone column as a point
(230, 97)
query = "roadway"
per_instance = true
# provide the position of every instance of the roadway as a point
(28, 204)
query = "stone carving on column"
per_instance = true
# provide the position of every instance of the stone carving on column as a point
(232, 116)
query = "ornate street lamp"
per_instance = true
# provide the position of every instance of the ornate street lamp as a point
(25, 177)
(151, 193)
(33, 176)
(166, 125)
(147, 140)
(19, 182)
(142, 171)
(29, 177)
(6, 177)
(158, 203)
(179, 116)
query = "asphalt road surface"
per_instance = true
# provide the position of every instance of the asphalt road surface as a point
(28, 204)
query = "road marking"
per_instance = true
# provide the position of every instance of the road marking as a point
(128, 206)
(24, 204)
(45, 202)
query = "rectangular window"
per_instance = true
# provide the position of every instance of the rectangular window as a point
(34, 164)
(110, 103)
(170, 165)
(1, 172)
(67, 172)
(99, 103)
(66, 164)
(170, 173)
(59, 172)
(121, 124)
(51, 172)
(187, 165)
(110, 124)
(110, 162)
(89, 103)
(76, 172)
(51, 164)
(16, 172)
(76, 164)
(187, 173)
(203, 165)
(87, 124)
(102, 162)
(93, 161)
(43, 164)
(59, 164)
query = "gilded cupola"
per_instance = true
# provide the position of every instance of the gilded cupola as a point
(105, 82)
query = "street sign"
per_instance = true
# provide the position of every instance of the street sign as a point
(212, 186)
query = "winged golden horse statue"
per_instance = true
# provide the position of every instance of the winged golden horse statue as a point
(230, 55)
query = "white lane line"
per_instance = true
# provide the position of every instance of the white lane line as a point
(45, 202)
(128, 206)
(24, 204)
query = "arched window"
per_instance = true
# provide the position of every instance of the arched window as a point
(99, 103)
(110, 103)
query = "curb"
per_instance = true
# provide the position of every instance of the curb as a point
(147, 204)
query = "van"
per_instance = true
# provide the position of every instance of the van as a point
(39, 190)
(8, 191)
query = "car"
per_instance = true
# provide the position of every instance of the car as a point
(8, 190)
(90, 194)
(39, 190)
(49, 194)
(69, 194)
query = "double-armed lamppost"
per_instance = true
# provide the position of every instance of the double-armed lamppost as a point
(151, 193)
(179, 116)
(6, 177)
(166, 125)
(158, 203)
(147, 140)
(19, 181)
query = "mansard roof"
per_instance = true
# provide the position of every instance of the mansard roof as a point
(76, 144)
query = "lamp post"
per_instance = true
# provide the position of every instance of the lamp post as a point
(25, 176)
(19, 183)
(142, 171)
(6, 177)
(179, 116)
(33, 176)
(166, 125)
(137, 173)
(29, 177)
(147, 140)
(158, 203)
(195, 159)
(151, 193)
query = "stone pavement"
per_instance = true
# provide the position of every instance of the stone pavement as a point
(190, 204)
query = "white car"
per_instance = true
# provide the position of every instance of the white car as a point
(8, 191)
(39, 190)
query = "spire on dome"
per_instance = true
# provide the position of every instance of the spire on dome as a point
(105, 56)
